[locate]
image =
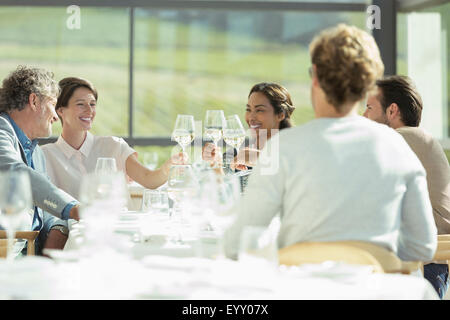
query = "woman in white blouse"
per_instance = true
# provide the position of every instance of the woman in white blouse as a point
(76, 151)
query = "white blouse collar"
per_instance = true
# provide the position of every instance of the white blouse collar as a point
(69, 151)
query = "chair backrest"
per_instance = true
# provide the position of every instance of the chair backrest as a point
(352, 252)
(317, 252)
(30, 236)
(443, 237)
(390, 262)
(443, 248)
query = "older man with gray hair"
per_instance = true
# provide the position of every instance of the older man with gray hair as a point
(27, 112)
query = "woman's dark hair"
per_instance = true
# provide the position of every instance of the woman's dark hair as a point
(68, 87)
(279, 98)
(401, 91)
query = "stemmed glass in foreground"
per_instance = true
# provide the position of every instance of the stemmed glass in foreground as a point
(103, 197)
(214, 123)
(181, 185)
(15, 200)
(223, 193)
(105, 165)
(183, 132)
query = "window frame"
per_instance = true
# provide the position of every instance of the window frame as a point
(385, 37)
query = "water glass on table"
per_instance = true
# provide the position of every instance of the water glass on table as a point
(103, 198)
(155, 201)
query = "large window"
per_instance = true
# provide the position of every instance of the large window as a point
(189, 61)
(180, 60)
(98, 51)
(423, 54)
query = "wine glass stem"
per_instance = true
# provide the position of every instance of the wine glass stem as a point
(221, 246)
(176, 223)
(10, 252)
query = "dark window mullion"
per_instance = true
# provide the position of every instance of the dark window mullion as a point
(131, 75)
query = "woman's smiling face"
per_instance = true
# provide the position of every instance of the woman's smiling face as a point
(80, 110)
(260, 114)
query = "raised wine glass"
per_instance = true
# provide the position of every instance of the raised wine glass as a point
(183, 132)
(234, 132)
(214, 123)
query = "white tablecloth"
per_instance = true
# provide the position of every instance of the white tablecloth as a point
(110, 275)
(150, 267)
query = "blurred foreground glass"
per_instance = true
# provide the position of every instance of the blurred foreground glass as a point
(155, 201)
(224, 192)
(15, 201)
(257, 248)
(103, 197)
(105, 165)
(182, 184)
(219, 194)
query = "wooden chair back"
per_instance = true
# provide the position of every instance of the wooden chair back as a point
(318, 252)
(352, 252)
(30, 236)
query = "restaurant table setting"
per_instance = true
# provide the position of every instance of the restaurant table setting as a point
(151, 254)
(171, 247)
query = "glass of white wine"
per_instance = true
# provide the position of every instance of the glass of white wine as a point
(183, 132)
(214, 123)
(234, 132)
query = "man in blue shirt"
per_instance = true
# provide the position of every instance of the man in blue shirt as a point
(27, 112)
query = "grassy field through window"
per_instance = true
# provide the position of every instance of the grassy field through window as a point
(185, 62)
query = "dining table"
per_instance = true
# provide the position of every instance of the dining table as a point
(146, 257)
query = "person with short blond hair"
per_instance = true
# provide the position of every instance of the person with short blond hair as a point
(341, 176)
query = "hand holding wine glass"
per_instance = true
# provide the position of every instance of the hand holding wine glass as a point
(246, 157)
(180, 158)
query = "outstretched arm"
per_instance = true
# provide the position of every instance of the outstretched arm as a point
(152, 179)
